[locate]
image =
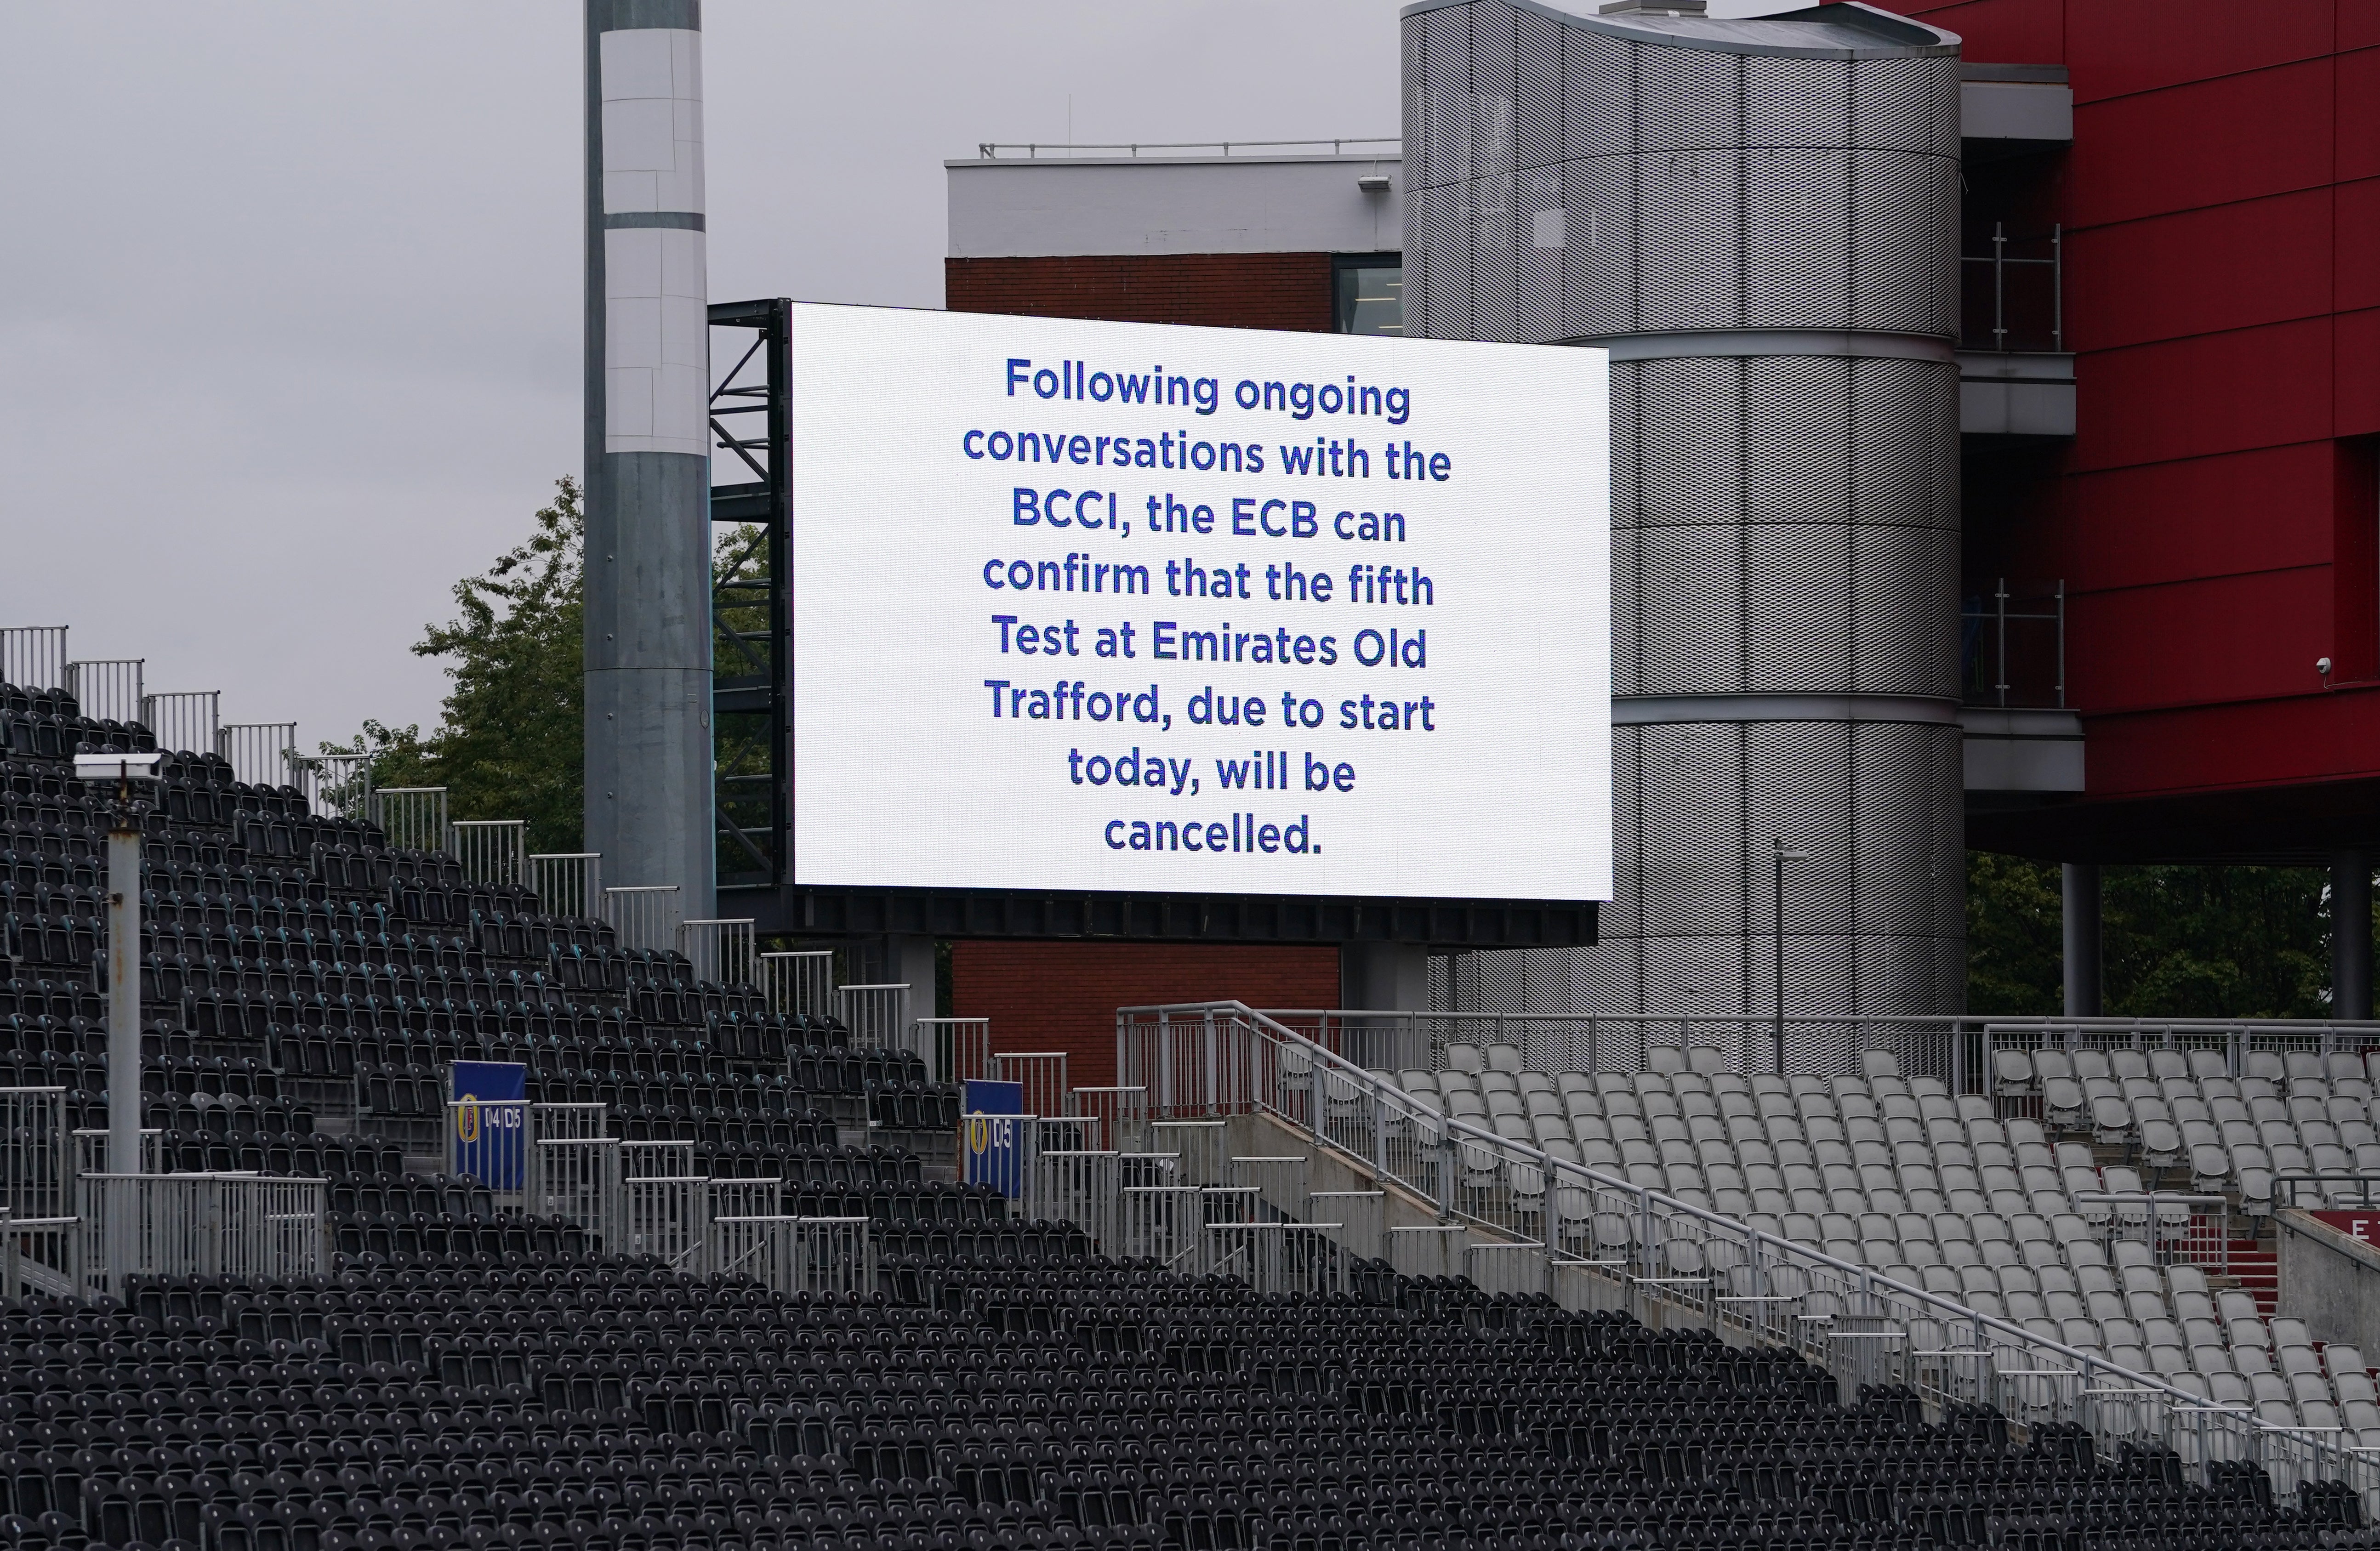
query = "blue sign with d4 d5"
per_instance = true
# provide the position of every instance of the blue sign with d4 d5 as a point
(988, 1142)
(489, 1113)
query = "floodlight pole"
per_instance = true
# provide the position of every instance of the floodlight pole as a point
(124, 984)
(1782, 857)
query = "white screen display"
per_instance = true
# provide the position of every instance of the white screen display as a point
(1126, 607)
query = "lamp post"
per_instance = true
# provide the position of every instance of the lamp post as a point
(1782, 857)
(129, 774)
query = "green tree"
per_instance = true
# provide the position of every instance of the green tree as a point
(2175, 942)
(2014, 935)
(507, 745)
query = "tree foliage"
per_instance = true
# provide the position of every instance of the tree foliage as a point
(508, 743)
(2175, 942)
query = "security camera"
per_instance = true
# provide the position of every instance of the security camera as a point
(2322, 666)
(98, 769)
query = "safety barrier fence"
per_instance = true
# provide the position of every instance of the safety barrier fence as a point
(1943, 1048)
(33, 655)
(2180, 1229)
(2326, 1192)
(2246, 1047)
(568, 882)
(91, 1151)
(491, 850)
(1595, 1240)
(258, 752)
(799, 985)
(413, 817)
(178, 1225)
(720, 951)
(876, 1015)
(106, 689)
(955, 1049)
(645, 915)
(337, 786)
(794, 1254)
(1042, 1074)
(186, 720)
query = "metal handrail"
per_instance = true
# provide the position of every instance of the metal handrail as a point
(991, 151)
(1652, 1206)
(1999, 262)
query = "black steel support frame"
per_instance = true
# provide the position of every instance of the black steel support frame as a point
(760, 681)
(753, 856)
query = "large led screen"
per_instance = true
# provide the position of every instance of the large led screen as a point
(1124, 607)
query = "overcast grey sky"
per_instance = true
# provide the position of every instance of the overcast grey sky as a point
(289, 293)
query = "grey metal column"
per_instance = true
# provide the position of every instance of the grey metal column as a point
(2081, 916)
(647, 630)
(1760, 220)
(2350, 934)
(124, 990)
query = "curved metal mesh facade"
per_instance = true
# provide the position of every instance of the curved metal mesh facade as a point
(1775, 204)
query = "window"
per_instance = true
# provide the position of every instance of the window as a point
(1369, 293)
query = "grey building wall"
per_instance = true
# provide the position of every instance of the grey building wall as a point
(1760, 218)
(1015, 208)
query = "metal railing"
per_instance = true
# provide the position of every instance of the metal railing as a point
(413, 817)
(185, 722)
(107, 689)
(1043, 1075)
(792, 1256)
(1381, 146)
(208, 1225)
(645, 915)
(258, 752)
(2032, 319)
(1943, 1048)
(1119, 1115)
(874, 1014)
(1280, 1258)
(799, 985)
(2246, 1047)
(1604, 1241)
(42, 1249)
(337, 786)
(567, 884)
(492, 851)
(33, 655)
(2326, 1193)
(955, 1049)
(2178, 1229)
(720, 951)
(1991, 671)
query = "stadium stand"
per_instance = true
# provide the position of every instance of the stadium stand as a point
(461, 1374)
(2030, 1221)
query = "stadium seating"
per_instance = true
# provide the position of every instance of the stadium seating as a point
(1942, 1193)
(1050, 1398)
(464, 1378)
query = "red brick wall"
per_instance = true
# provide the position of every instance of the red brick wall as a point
(1221, 290)
(1063, 996)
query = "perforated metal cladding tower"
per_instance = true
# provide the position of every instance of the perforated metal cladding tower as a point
(1760, 219)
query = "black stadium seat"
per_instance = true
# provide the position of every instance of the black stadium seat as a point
(464, 1379)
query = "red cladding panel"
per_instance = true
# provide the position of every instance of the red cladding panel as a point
(2119, 48)
(2260, 510)
(2228, 267)
(2193, 643)
(2356, 244)
(2218, 392)
(2004, 31)
(1221, 290)
(2358, 387)
(2238, 138)
(2358, 106)
(2308, 738)
(1063, 996)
